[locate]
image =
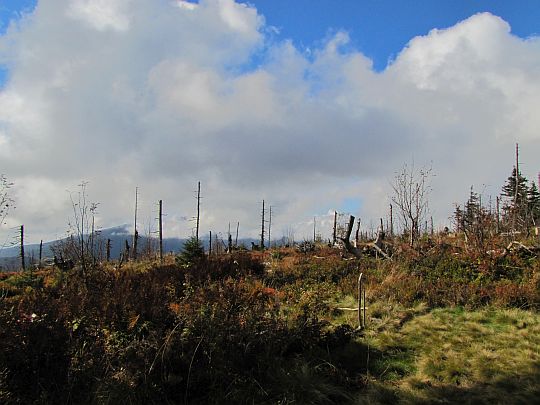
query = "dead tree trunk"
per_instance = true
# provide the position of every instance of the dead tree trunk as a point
(262, 227)
(108, 250)
(391, 221)
(355, 251)
(229, 239)
(270, 228)
(498, 222)
(198, 209)
(40, 252)
(135, 233)
(334, 240)
(161, 231)
(126, 252)
(23, 264)
(347, 243)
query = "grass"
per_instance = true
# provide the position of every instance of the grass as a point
(451, 355)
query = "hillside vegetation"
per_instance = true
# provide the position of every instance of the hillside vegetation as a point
(445, 324)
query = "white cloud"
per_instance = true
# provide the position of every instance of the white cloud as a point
(161, 94)
(101, 14)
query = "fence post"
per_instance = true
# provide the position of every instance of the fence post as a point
(361, 308)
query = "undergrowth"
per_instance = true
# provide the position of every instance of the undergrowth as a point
(267, 328)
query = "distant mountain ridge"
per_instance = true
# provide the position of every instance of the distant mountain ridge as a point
(10, 256)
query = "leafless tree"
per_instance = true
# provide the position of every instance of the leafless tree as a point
(411, 188)
(82, 226)
(6, 203)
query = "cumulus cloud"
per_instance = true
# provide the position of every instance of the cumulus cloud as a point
(162, 94)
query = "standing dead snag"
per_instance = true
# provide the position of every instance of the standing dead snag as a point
(161, 231)
(23, 265)
(40, 252)
(357, 236)
(135, 232)
(198, 209)
(262, 227)
(391, 221)
(108, 250)
(334, 236)
(270, 228)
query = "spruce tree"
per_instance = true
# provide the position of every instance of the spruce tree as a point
(516, 210)
(509, 189)
(533, 202)
(192, 252)
(472, 209)
(459, 218)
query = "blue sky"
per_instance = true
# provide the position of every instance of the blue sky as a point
(381, 28)
(166, 95)
(11, 10)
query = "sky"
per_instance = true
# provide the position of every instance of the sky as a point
(310, 105)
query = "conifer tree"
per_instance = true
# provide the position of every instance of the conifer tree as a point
(509, 189)
(533, 201)
(472, 209)
(192, 252)
(517, 204)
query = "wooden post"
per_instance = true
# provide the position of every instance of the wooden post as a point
(198, 209)
(40, 252)
(334, 239)
(361, 297)
(161, 231)
(262, 226)
(23, 264)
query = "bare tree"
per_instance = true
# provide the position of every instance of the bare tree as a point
(82, 226)
(411, 192)
(6, 203)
